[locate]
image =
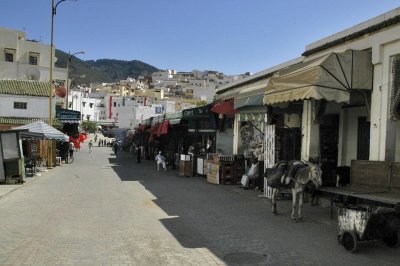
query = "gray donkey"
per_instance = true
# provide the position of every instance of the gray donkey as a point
(296, 175)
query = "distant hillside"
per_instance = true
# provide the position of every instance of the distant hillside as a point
(102, 70)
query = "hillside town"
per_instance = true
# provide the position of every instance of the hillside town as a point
(222, 165)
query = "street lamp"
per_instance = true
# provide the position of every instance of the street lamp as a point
(53, 13)
(68, 63)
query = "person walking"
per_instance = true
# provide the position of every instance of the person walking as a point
(71, 149)
(115, 147)
(90, 146)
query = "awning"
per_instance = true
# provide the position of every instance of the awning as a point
(163, 128)
(41, 130)
(225, 108)
(330, 77)
(153, 130)
(140, 129)
(251, 96)
(174, 118)
(197, 112)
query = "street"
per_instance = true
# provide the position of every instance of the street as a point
(108, 210)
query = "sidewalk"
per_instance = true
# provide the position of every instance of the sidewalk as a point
(7, 189)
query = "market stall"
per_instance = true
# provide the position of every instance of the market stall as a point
(12, 168)
(37, 142)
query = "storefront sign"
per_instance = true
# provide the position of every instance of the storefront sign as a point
(68, 116)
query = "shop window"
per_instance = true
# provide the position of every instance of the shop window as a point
(20, 105)
(395, 88)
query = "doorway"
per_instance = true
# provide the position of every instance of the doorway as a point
(363, 138)
(329, 139)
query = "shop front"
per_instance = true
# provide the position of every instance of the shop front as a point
(201, 133)
(318, 110)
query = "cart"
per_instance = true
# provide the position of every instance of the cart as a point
(366, 223)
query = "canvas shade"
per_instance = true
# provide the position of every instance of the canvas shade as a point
(163, 128)
(41, 130)
(225, 108)
(330, 77)
(140, 129)
(250, 97)
(174, 118)
(153, 130)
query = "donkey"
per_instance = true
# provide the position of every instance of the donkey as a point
(296, 175)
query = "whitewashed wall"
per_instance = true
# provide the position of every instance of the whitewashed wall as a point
(36, 106)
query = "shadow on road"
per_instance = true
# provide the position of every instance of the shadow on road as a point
(208, 216)
(229, 221)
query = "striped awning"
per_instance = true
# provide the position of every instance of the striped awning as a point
(330, 77)
(41, 130)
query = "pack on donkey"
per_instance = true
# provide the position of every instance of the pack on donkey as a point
(295, 175)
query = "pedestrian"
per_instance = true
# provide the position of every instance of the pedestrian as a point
(139, 153)
(71, 149)
(160, 159)
(95, 138)
(115, 147)
(90, 146)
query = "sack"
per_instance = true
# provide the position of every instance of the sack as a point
(274, 175)
(245, 181)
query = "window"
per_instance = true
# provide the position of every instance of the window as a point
(118, 105)
(115, 104)
(83, 104)
(91, 105)
(9, 57)
(20, 105)
(33, 60)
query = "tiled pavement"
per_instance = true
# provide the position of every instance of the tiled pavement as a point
(108, 210)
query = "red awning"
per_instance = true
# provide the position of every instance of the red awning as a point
(153, 130)
(140, 129)
(163, 128)
(225, 108)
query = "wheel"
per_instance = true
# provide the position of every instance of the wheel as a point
(393, 240)
(349, 241)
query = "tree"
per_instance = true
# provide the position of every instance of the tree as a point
(89, 126)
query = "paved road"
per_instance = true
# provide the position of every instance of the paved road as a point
(108, 210)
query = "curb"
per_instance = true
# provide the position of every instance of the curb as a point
(32, 180)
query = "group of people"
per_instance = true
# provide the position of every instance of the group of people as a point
(104, 142)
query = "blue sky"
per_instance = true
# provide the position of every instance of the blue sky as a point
(232, 36)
